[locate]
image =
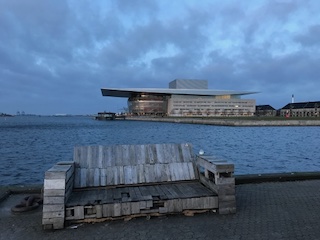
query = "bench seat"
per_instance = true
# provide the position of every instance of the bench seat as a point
(144, 199)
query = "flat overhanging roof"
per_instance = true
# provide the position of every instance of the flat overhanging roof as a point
(127, 92)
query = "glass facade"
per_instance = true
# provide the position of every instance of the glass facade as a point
(147, 104)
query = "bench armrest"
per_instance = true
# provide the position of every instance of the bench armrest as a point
(218, 176)
(218, 171)
(58, 185)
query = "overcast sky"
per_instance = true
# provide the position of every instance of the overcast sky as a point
(55, 56)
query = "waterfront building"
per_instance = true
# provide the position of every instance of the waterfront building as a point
(265, 110)
(185, 97)
(301, 109)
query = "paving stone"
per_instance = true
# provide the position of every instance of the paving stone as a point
(286, 210)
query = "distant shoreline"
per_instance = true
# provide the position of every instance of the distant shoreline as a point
(236, 122)
(5, 115)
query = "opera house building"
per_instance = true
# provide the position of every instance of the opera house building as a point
(185, 97)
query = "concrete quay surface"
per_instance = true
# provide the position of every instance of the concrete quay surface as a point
(231, 121)
(271, 210)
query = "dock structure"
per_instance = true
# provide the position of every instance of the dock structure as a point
(126, 181)
(109, 116)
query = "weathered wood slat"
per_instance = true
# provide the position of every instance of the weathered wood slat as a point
(126, 158)
(187, 154)
(132, 164)
(141, 155)
(215, 167)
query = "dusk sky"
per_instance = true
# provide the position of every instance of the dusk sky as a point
(55, 56)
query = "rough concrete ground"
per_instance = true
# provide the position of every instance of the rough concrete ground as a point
(286, 210)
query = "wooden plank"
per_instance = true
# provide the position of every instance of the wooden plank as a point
(58, 214)
(108, 196)
(106, 156)
(225, 180)
(57, 172)
(227, 198)
(107, 210)
(121, 174)
(211, 158)
(132, 194)
(170, 192)
(173, 173)
(149, 173)
(54, 183)
(185, 171)
(165, 173)
(53, 208)
(213, 202)
(77, 177)
(53, 192)
(162, 194)
(96, 177)
(116, 175)
(144, 191)
(99, 156)
(151, 154)
(209, 184)
(53, 200)
(90, 157)
(77, 154)
(203, 191)
(125, 194)
(193, 173)
(153, 192)
(169, 206)
(187, 154)
(187, 190)
(172, 153)
(99, 212)
(177, 205)
(132, 154)
(83, 177)
(140, 154)
(135, 207)
(160, 150)
(117, 194)
(215, 167)
(124, 149)
(90, 177)
(112, 177)
(138, 193)
(116, 209)
(179, 189)
(117, 156)
(82, 154)
(125, 208)
(158, 172)
(130, 173)
(103, 177)
(141, 173)
(227, 207)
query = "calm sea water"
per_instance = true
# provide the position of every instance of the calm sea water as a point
(31, 145)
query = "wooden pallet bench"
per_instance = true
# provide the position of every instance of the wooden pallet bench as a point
(125, 181)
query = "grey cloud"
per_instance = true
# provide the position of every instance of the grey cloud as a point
(61, 53)
(311, 37)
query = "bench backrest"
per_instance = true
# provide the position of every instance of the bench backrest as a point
(133, 164)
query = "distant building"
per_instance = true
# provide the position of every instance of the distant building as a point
(185, 97)
(301, 109)
(265, 110)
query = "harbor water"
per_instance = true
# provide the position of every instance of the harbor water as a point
(30, 145)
